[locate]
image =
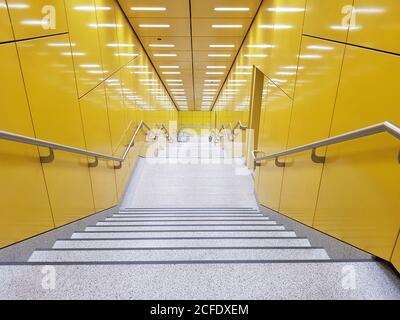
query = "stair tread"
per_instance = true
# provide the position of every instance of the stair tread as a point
(184, 228)
(166, 235)
(180, 255)
(134, 243)
(172, 223)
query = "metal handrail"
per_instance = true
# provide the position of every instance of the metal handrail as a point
(9, 136)
(240, 125)
(163, 128)
(352, 135)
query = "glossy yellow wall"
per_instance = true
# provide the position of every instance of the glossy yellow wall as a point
(195, 120)
(71, 78)
(332, 67)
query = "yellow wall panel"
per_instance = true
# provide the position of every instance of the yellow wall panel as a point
(377, 25)
(107, 27)
(97, 135)
(286, 40)
(52, 95)
(328, 19)
(274, 139)
(24, 207)
(316, 89)
(358, 202)
(127, 42)
(396, 256)
(34, 18)
(85, 44)
(6, 33)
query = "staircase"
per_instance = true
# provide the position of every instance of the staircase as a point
(179, 236)
(191, 230)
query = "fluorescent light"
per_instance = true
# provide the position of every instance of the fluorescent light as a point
(216, 67)
(170, 72)
(212, 80)
(169, 67)
(173, 80)
(89, 66)
(285, 73)
(261, 46)
(232, 9)
(148, 80)
(211, 85)
(89, 8)
(164, 55)
(244, 67)
(137, 67)
(229, 26)
(221, 45)
(175, 84)
(323, 48)
(237, 80)
(251, 55)
(121, 45)
(148, 8)
(214, 73)
(310, 56)
(154, 45)
(154, 25)
(143, 72)
(275, 26)
(242, 73)
(219, 55)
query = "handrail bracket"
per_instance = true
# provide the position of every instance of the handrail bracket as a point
(316, 158)
(49, 158)
(280, 164)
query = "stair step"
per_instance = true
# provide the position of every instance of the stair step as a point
(189, 234)
(182, 215)
(173, 223)
(233, 213)
(191, 208)
(169, 243)
(168, 255)
(188, 219)
(184, 228)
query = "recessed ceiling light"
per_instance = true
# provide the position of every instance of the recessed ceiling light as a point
(169, 67)
(148, 8)
(173, 80)
(212, 80)
(252, 55)
(232, 9)
(164, 54)
(214, 73)
(175, 84)
(261, 46)
(275, 26)
(219, 55)
(221, 45)
(229, 26)
(154, 25)
(154, 45)
(323, 48)
(211, 85)
(170, 72)
(242, 73)
(143, 72)
(287, 9)
(216, 67)
(244, 67)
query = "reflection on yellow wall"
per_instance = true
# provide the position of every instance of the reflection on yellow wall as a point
(306, 50)
(196, 120)
(78, 82)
